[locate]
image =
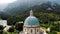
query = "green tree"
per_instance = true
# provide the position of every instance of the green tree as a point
(1, 27)
(1, 31)
(12, 20)
(19, 26)
(11, 29)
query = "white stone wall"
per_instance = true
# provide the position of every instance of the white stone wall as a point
(27, 30)
(3, 22)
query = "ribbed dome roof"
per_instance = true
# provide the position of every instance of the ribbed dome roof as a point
(30, 21)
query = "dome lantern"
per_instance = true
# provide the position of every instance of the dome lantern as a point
(31, 13)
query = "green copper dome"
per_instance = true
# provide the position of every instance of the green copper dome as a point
(31, 20)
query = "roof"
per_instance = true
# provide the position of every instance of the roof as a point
(31, 20)
(3, 22)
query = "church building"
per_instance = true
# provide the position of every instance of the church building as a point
(31, 25)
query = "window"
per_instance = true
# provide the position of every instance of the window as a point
(25, 29)
(37, 30)
(31, 30)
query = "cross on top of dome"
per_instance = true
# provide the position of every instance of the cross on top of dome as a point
(31, 13)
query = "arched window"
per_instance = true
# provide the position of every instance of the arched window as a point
(25, 29)
(31, 30)
(37, 30)
(27, 33)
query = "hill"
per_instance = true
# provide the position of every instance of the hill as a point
(18, 9)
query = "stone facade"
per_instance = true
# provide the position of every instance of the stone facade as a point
(31, 30)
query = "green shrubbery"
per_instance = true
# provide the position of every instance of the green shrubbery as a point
(46, 20)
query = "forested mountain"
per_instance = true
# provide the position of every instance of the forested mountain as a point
(18, 8)
(47, 7)
(22, 9)
(21, 6)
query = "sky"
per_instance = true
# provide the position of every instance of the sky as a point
(6, 1)
(10, 1)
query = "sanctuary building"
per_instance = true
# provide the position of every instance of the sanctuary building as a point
(31, 25)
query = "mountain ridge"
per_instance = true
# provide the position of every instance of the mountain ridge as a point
(21, 8)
